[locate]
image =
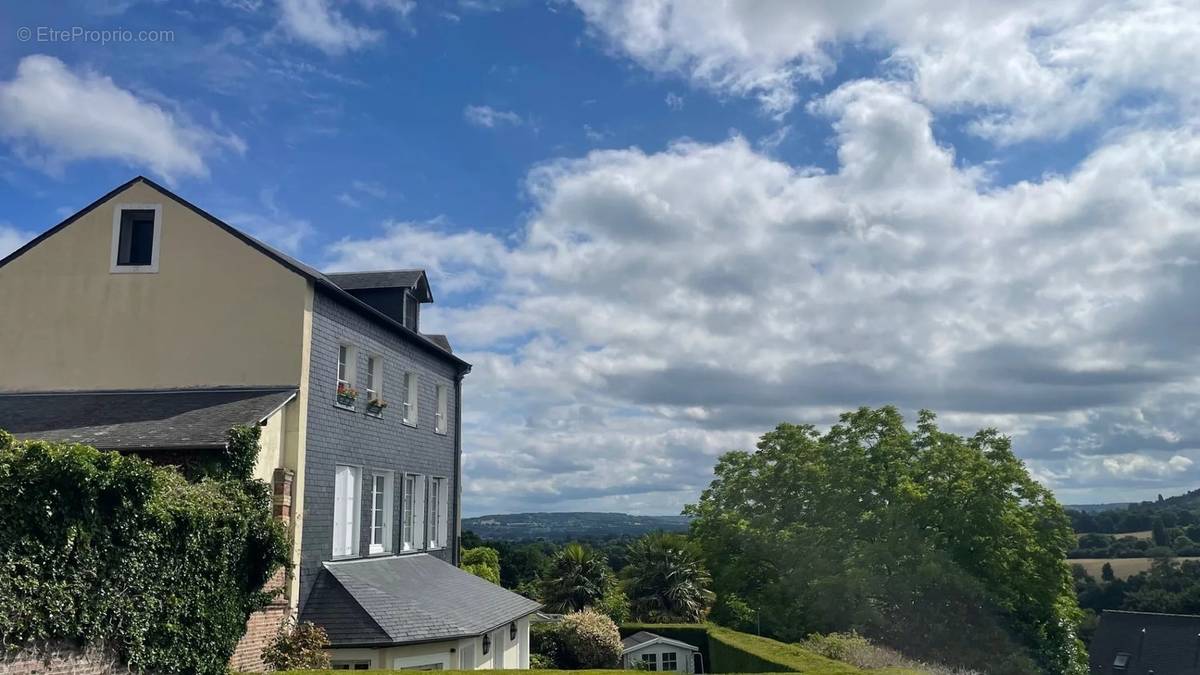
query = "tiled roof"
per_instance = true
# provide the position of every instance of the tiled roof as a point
(120, 420)
(409, 598)
(1158, 643)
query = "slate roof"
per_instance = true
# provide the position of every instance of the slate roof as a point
(134, 420)
(353, 281)
(316, 276)
(439, 340)
(645, 637)
(407, 599)
(1159, 643)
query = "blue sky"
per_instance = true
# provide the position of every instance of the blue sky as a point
(659, 228)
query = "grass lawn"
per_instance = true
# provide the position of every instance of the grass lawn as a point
(1122, 567)
(819, 670)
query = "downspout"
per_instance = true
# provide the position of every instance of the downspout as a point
(458, 378)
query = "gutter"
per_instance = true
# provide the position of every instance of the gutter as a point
(457, 553)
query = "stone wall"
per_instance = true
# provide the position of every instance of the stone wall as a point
(61, 659)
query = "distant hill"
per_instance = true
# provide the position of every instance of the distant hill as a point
(567, 526)
(1093, 508)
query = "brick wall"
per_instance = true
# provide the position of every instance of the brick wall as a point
(337, 436)
(58, 659)
(262, 626)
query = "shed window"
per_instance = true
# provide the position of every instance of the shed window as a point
(649, 661)
(669, 661)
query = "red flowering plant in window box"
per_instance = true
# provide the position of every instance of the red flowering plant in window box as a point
(346, 395)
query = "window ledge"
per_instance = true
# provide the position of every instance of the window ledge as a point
(376, 415)
(439, 433)
(408, 423)
(339, 406)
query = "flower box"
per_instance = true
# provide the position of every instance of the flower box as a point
(375, 407)
(346, 396)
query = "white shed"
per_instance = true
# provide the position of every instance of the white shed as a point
(656, 652)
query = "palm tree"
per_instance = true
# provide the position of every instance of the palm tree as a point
(666, 580)
(578, 577)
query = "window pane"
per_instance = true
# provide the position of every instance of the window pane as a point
(136, 239)
(342, 363)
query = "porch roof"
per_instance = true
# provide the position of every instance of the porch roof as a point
(406, 599)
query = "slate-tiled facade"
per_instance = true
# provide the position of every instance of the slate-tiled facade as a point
(336, 436)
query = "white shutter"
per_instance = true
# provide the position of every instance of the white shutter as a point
(339, 509)
(419, 513)
(443, 512)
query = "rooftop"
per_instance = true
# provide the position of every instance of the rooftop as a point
(139, 419)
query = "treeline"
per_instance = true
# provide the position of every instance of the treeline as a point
(1134, 518)
(1169, 586)
(1173, 531)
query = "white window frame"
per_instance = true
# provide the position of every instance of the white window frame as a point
(152, 268)
(348, 377)
(662, 661)
(340, 509)
(381, 518)
(412, 384)
(440, 425)
(374, 384)
(438, 511)
(650, 659)
(413, 525)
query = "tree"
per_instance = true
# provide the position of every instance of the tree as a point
(875, 528)
(298, 646)
(589, 639)
(1159, 532)
(667, 582)
(1106, 572)
(483, 562)
(578, 577)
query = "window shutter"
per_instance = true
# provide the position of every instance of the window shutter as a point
(443, 512)
(419, 513)
(339, 508)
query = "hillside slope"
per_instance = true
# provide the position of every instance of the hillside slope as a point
(571, 525)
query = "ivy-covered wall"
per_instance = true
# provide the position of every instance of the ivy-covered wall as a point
(97, 548)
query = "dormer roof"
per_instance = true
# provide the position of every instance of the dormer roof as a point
(411, 280)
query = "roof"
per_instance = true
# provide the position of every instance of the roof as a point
(645, 639)
(143, 419)
(316, 276)
(439, 340)
(406, 599)
(1162, 643)
(410, 279)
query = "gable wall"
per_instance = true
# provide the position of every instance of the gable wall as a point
(218, 312)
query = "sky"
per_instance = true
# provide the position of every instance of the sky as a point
(659, 228)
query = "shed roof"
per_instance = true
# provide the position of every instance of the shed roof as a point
(645, 639)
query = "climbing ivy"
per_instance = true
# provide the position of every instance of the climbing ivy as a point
(98, 548)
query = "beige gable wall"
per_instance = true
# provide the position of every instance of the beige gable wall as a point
(217, 312)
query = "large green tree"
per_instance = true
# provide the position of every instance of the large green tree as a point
(941, 546)
(578, 577)
(666, 581)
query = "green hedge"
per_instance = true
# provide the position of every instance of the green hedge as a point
(728, 651)
(103, 549)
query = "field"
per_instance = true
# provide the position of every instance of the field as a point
(1122, 567)
(1144, 534)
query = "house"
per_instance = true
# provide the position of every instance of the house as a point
(647, 651)
(1144, 643)
(143, 324)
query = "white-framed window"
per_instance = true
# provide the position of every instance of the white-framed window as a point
(347, 358)
(439, 421)
(410, 399)
(137, 238)
(350, 665)
(381, 512)
(649, 661)
(374, 383)
(346, 491)
(669, 661)
(413, 529)
(438, 510)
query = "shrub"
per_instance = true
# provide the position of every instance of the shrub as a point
(298, 647)
(541, 662)
(614, 604)
(545, 642)
(101, 549)
(483, 562)
(589, 639)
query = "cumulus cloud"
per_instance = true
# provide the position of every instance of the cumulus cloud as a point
(489, 117)
(323, 24)
(12, 238)
(658, 308)
(54, 115)
(1021, 69)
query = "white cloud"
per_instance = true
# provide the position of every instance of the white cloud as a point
(657, 308)
(273, 225)
(323, 24)
(12, 238)
(674, 101)
(54, 116)
(489, 117)
(1021, 69)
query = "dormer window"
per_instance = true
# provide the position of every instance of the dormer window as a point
(137, 231)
